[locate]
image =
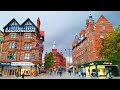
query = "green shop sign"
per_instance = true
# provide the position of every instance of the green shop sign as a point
(100, 63)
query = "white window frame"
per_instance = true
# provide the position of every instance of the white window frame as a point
(26, 56)
(101, 35)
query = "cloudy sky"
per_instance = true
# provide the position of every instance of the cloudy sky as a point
(59, 26)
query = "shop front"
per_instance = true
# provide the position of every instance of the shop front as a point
(11, 68)
(10, 71)
(14, 67)
(3, 65)
(23, 67)
(99, 68)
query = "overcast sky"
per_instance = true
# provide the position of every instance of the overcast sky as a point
(59, 26)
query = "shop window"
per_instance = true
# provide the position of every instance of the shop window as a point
(93, 70)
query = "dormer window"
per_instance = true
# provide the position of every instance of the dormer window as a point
(103, 26)
(83, 35)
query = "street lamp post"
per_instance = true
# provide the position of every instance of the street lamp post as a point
(96, 70)
(69, 54)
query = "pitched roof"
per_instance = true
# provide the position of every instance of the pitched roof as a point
(82, 32)
(102, 19)
(26, 21)
(11, 22)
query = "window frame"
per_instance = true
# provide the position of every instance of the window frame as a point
(26, 56)
(33, 55)
(103, 26)
(13, 55)
(13, 36)
(12, 45)
(27, 45)
(102, 34)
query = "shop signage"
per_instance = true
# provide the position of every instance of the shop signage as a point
(5, 63)
(21, 64)
(107, 63)
(91, 63)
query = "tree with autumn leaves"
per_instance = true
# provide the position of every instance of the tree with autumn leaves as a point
(110, 47)
(49, 60)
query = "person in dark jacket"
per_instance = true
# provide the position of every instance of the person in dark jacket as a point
(60, 73)
(110, 76)
(92, 74)
(23, 76)
(17, 74)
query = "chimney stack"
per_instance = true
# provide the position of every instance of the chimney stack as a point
(38, 24)
(92, 21)
(90, 18)
(87, 23)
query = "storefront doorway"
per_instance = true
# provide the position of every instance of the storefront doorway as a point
(113, 69)
(27, 72)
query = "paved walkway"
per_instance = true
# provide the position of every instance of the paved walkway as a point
(45, 76)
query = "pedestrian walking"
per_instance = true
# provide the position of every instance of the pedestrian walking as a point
(60, 73)
(23, 76)
(79, 73)
(55, 72)
(82, 74)
(107, 73)
(70, 72)
(110, 76)
(51, 72)
(92, 74)
(17, 74)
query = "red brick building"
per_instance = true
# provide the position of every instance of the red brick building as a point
(1, 42)
(86, 46)
(22, 48)
(60, 60)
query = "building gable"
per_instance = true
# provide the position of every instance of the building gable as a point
(12, 25)
(103, 24)
(29, 26)
(28, 22)
(102, 19)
